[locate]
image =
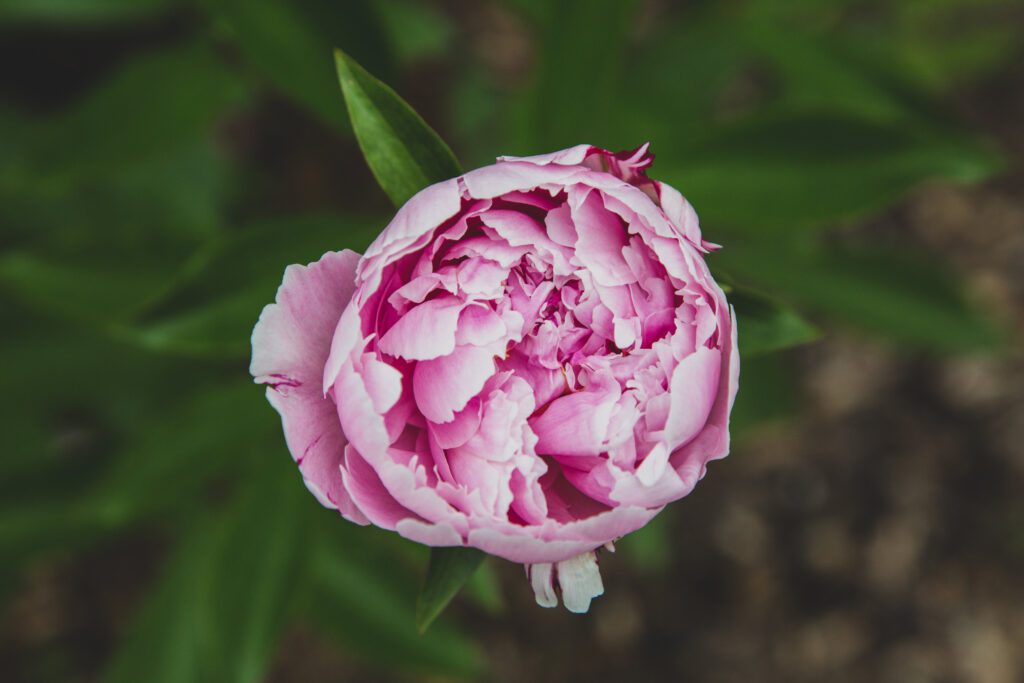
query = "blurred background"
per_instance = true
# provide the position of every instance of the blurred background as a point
(162, 161)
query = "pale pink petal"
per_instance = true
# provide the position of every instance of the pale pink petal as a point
(383, 383)
(679, 212)
(693, 389)
(479, 326)
(601, 239)
(364, 426)
(653, 466)
(366, 490)
(290, 344)
(434, 535)
(424, 332)
(572, 156)
(419, 217)
(459, 430)
(559, 225)
(445, 385)
(577, 424)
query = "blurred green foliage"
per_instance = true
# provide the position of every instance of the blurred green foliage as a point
(138, 245)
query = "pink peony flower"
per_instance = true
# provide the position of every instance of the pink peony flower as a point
(532, 359)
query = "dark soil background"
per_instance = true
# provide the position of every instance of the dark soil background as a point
(876, 536)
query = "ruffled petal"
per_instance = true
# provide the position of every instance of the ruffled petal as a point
(290, 345)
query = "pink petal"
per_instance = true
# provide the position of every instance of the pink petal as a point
(442, 386)
(577, 424)
(420, 216)
(693, 389)
(559, 225)
(383, 383)
(602, 237)
(479, 326)
(573, 156)
(290, 345)
(459, 430)
(366, 489)
(679, 212)
(424, 332)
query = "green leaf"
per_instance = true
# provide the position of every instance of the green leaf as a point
(448, 570)
(163, 644)
(766, 325)
(649, 548)
(484, 588)
(795, 170)
(122, 182)
(768, 393)
(940, 43)
(217, 612)
(256, 569)
(894, 295)
(166, 457)
(82, 291)
(403, 152)
(363, 595)
(290, 41)
(215, 300)
(170, 457)
(662, 70)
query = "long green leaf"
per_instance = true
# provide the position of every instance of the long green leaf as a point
(805, 169)
(449, 569)
(221, 605)
(362, 593)
(403, 152)
(894, 295)
(217, 296)
(766, 325)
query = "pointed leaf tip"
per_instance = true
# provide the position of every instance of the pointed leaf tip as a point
(448, 570)
(403, 152)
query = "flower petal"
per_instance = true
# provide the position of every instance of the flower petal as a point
(424, 332)
(580, 581)
(290, 345)
(442, 386)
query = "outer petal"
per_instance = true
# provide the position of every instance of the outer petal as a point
(289, 348)
(556, 542)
